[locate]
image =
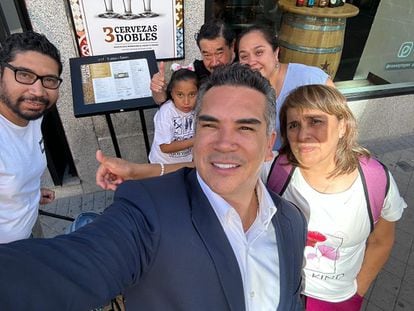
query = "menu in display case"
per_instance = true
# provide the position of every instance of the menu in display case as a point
(112, 83)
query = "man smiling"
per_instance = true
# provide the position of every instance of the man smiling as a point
(219, 241)
(230, 147)
(29, 81)
(216, 42)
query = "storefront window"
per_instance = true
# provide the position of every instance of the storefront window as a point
(371, 47)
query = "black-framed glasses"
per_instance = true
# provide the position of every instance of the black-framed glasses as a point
(29, 78)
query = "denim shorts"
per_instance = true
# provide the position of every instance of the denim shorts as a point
(82, 220)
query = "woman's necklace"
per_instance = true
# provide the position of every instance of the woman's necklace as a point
(277, 78)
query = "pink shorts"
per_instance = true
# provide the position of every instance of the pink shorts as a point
(352, 304)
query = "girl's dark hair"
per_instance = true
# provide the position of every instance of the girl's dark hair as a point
(268, 33)
(182, 74)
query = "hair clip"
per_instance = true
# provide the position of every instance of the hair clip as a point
(175, 67)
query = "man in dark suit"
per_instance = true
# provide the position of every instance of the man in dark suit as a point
(209, 238)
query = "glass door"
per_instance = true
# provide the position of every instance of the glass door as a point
(377, 49)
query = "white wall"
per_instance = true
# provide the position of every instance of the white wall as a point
(384, 117)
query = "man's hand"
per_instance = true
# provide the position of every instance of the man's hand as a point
(159, 85)
(46, 196)
(111, 171)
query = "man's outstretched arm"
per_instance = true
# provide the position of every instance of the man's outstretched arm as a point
(113, 171)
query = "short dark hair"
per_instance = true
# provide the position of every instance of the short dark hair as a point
(214, 29)
(268, 33)
(182, 74)
(25, 42)
(237, 74)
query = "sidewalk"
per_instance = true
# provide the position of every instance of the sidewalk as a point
(393, 289)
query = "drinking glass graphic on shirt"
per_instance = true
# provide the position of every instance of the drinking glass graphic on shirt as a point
(183, 129)
(322, 252)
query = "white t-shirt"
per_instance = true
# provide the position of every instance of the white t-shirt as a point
(338, 227)
(171, 125)
(22, 163)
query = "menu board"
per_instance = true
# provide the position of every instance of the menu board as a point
(112, 83)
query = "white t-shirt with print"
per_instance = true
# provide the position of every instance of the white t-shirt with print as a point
(171, 125)
(338, 227)
(22, 163)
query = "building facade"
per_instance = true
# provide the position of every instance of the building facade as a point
(379, 117)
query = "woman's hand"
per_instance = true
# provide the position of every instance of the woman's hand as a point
(379, 246)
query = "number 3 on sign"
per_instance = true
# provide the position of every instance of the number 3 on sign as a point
(109, 37)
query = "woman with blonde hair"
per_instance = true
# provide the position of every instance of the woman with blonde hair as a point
(347, 242)
(331, 102)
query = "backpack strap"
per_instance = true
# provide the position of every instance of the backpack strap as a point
(280, 174)
(374, 176)
(376, 181)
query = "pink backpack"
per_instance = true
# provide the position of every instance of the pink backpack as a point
(374, 175)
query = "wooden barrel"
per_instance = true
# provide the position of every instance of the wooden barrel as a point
(312, 40)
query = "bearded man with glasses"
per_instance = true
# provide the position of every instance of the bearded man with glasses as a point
(30, 69)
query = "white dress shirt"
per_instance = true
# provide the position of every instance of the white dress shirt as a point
(255, 250)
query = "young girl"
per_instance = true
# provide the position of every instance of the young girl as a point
(174, 121)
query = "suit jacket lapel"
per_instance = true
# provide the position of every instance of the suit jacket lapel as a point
(282, 229)
(211, 232)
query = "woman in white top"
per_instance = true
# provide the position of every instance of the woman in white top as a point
(342, 256)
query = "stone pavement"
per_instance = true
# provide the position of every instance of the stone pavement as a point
(393, 289)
